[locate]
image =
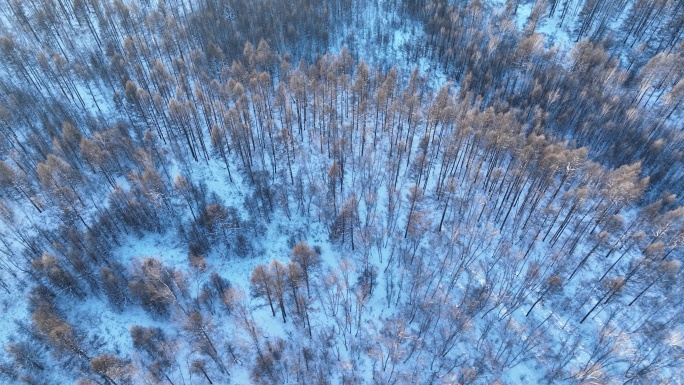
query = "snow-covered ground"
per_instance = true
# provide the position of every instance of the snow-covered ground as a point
(369, 336)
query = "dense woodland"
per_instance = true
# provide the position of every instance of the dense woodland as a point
(341, 192)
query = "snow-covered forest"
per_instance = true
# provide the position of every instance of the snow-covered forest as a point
(341, 192)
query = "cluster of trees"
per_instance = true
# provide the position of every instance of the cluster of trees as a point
(480, 225)
(602, 86)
